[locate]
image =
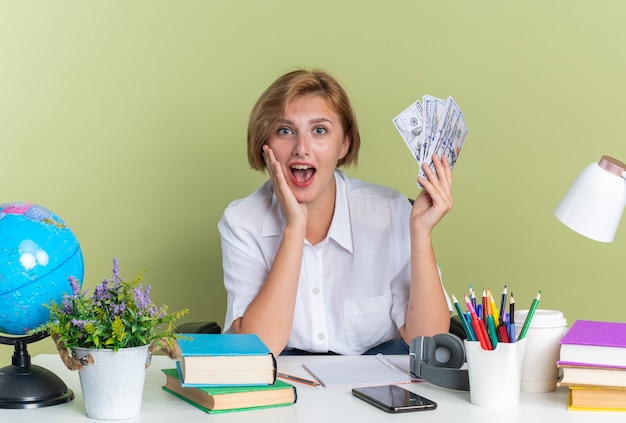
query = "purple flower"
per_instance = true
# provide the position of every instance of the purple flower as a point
(75, 285)
(116, 272)
(118, 309)
(101, 293)
(80, 324)
(142, 299)
(67, 307)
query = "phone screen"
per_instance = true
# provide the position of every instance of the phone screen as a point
(393, 398)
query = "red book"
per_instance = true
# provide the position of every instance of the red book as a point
(595, 342)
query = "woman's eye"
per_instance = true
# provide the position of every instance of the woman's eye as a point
(284, 131)
(319, 130)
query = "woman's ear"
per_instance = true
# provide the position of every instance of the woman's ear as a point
(345, 146)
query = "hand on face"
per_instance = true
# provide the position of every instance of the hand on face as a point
(301, 156)
(292, 209)
(435, 199)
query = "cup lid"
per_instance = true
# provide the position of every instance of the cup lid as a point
(542, 318)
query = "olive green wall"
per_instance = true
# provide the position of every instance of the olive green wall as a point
(128, 119)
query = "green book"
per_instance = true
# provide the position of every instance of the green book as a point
(221, 399)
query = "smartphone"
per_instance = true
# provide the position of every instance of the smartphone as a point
(393, 398)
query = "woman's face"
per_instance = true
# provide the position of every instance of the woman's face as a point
(307, 142)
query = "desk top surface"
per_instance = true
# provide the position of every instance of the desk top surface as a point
(315, 403)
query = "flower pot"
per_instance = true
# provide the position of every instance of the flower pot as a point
(113, 385)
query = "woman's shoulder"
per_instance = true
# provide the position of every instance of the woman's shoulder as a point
(358, 189)
(247, 207)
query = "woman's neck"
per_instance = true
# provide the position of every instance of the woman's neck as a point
(320, 215)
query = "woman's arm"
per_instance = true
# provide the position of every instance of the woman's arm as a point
(270, 314)
(427, 310)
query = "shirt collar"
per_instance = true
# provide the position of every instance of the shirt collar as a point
(340, 227)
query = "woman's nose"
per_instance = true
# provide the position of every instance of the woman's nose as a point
(302, 145)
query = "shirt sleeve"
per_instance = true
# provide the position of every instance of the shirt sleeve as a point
(244, 269)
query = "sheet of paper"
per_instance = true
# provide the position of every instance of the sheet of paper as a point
(363, 370)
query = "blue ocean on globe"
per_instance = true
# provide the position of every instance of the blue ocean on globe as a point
(38, 253)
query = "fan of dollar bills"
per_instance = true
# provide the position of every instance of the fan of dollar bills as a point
(432, 126)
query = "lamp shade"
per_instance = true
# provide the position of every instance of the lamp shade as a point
(594, 204)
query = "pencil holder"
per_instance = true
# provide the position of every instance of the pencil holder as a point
(495, 376)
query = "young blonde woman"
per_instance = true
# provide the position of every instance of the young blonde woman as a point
(315, 261)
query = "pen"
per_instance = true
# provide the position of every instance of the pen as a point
(502, 306)
(503, 335)
(472, 297)
(512, 319)
(529, 316)
(297, 379)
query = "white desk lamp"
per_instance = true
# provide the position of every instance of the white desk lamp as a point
(594, 204)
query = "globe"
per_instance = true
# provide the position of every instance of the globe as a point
(38, 254)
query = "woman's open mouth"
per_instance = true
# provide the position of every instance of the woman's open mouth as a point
(302, 175)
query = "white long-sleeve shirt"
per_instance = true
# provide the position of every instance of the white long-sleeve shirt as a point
(354, 285)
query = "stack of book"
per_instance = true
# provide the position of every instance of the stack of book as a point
(220, 373)
(593, 365)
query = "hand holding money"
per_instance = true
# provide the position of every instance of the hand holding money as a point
(433, 126)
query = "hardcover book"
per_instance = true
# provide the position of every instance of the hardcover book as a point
(596, 398)
(595, 343)
(225, 359)
(220, 399)
(574, 374)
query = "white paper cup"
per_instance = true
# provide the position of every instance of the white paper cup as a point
(495, 376)
(540, 371)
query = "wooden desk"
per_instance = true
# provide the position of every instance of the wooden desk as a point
(315, 404)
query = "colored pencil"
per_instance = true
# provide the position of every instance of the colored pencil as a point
(529, 316)
(479, 329)
(492, 331)
(494, 308)
(486, 305)
(468, 331)
(296, 379)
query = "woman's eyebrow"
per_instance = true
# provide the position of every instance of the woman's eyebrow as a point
(320, 120)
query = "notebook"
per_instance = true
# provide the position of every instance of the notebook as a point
(363, 370)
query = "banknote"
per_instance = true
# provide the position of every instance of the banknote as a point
(409, 124)
(433, 116)
(433, 126)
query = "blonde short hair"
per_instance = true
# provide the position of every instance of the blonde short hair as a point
(271, 106)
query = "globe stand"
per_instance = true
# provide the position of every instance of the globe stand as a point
(26, 385)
